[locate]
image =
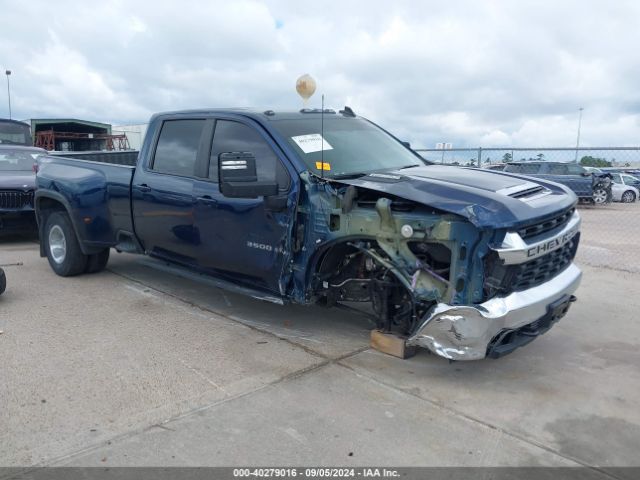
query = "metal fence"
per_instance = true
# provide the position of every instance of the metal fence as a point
(484, 157)
(610, 232)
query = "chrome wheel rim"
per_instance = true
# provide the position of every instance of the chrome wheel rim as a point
(57, 244)
(599, 196)
(627, 197)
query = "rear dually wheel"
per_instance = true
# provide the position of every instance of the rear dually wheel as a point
(62, 247)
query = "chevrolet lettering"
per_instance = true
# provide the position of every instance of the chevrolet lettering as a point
(551, 245)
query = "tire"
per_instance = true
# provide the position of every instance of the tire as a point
(600, 196)
(62, 247)
(97, 261)
(628, 197)
(3, 282)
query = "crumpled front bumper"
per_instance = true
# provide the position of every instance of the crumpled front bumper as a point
(466, 332)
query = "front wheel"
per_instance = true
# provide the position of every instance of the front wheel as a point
(3, 281)
(62, 247)
(628, 197)
(600, 196)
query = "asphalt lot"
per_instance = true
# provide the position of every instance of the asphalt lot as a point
(611, 238)
(138, 366)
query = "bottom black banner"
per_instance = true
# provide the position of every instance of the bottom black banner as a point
(408, 473)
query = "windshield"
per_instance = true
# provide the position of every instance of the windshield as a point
(15, 133)
(17, 161)
(348, 145)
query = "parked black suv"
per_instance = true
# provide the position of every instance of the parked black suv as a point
(17, 186)
(593, 188)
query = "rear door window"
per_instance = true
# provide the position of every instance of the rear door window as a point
(177, 148)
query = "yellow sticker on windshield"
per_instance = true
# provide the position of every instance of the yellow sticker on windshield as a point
(323, 166)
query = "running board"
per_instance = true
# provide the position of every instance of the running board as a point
(209, 280)
(128, 243)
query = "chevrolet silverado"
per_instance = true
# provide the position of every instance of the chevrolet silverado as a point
(319, 206)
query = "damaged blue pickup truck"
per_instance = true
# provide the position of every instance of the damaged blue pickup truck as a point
(326, 207)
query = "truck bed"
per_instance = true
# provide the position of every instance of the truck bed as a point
(97, 192)
(127, 157)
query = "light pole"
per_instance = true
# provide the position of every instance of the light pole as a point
(578, 139)
(8, 73)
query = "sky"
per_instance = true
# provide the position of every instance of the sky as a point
(472, 73)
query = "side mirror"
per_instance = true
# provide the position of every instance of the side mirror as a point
(239, 179)
(406, 144)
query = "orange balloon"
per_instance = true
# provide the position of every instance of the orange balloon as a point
(305, 86)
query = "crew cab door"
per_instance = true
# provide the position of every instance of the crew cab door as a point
(162, 190)
(248, 239)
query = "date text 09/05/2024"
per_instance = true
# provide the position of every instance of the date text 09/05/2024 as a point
(316, 472)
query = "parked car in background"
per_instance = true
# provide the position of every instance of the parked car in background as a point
(589, 187)
(17, 186)
(625, 188)
(625, 179)
(624, 193)
(496, 168)
(627, 170)
(13, 132)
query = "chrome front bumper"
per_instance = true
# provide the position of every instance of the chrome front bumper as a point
(465, 332)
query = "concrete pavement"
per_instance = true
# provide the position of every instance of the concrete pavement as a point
(138, 366)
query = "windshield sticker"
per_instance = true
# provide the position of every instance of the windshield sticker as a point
(323, 166)
(312, 143)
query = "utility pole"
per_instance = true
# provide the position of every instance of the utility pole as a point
(578, 139)
(8, 73)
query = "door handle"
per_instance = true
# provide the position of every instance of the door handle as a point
(208, 200)
(144, 188)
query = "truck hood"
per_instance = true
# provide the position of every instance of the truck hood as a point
(488, 199)
(22, 180)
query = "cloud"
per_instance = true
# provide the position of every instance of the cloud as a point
(493, 73)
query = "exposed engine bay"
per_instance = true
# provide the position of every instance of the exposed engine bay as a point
(451, 281)
(361, 272)
(396, 255)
